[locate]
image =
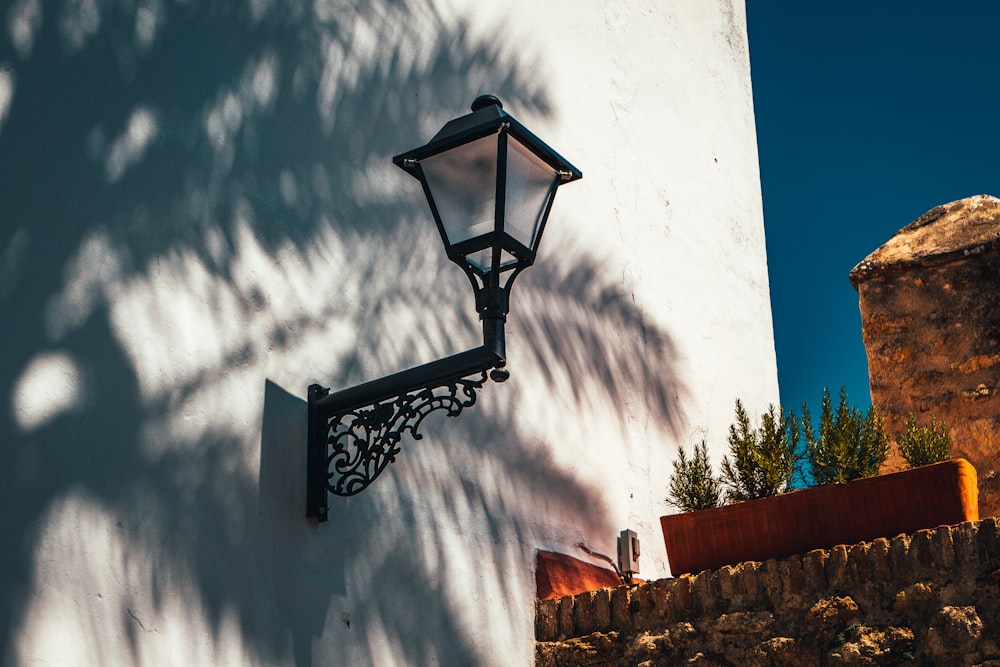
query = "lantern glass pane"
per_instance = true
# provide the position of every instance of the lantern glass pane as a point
(463, 183)
(530, 185)
(483, 259)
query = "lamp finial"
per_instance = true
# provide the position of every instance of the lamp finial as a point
(484, 101)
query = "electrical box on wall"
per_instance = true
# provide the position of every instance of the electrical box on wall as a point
(628, 554)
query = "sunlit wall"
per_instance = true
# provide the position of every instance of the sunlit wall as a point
(199, 218)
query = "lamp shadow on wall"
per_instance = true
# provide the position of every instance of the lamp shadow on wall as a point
(183, 186)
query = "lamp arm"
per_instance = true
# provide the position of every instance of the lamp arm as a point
(462, 364)
(355, 433)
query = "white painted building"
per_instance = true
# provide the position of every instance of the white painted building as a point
(199, 217)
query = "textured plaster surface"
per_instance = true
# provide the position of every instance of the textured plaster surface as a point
(201, 218)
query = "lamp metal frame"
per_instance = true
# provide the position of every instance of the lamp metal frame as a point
(355, 433)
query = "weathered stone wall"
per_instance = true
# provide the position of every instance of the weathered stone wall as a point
(932, 598)
(931, 323)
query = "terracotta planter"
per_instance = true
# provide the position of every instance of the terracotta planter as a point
(822, 517)
(558, 575)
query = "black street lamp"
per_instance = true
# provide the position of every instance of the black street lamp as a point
(490, 184)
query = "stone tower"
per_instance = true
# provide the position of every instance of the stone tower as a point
(930, 314)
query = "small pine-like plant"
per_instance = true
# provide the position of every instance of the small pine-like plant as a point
(923, 445)
(692, 486)
(850, 445)
(763, 459)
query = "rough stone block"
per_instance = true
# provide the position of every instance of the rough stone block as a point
(660, 590)
(747, 582)
(772, 580)
(648, 645)
(915, 598)
(836, 568)
(778, 651)
(921, 551)
(814, 570)
(602, 609)
(963, 537)
(878, 559)
(643, 608)
(621, 616)
(857, 561)
(682, 596)
(899, 555)
(988, 544)
(870, 645)
(943, 547)
(564, 616)
(683, 634)
(546, 620)
(726, 588)
(793, 576)
(703, 593)
(832, 613)
(583, 614)
(743, 623)
(955, 631)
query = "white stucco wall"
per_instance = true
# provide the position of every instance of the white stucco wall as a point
(199, 218)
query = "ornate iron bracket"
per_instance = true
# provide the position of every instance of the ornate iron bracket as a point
(354, 434)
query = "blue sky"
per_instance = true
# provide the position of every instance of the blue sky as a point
(868, 115)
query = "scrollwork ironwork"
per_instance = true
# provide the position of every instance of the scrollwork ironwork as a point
(363, 442)
(354, 434)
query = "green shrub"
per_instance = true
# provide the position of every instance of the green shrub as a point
(849, 445)
(924, 445)
(763, 459)
(692, 486)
